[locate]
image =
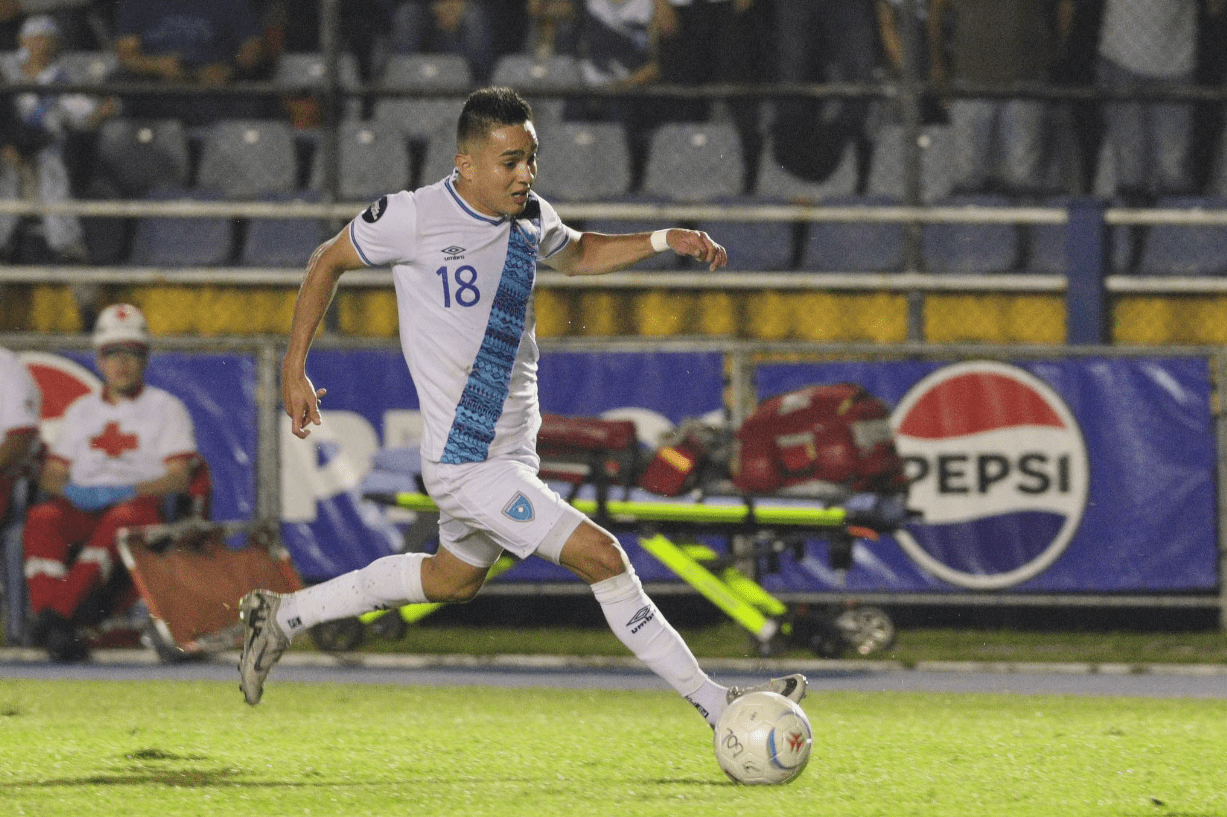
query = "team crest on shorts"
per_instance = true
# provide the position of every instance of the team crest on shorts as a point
(519, 509)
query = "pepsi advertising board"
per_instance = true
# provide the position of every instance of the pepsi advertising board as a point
(1083, 475)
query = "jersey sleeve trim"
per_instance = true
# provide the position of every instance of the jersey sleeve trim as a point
(353, 239)
(569, 234)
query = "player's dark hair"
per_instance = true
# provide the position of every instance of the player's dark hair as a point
(490, 108)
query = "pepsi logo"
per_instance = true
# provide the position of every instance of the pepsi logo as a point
(999, 469)
(61, 381)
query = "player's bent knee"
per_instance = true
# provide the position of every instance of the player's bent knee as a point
(448, 580)
(594, 554)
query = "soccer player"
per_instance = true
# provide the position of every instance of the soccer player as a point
(118, 454)
(464, 252)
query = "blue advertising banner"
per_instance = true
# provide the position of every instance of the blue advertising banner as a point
(1086, 475)
(371, 405)
(1083, 475)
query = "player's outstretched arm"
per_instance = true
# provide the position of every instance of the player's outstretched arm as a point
(599, 253)
(329, 261)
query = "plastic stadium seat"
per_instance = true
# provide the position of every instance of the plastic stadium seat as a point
(1177, 249)
(754, 245)
(374, 160)
(419, 118)
(439, 159)
(869, 246)
(305, 70)
(776, 181)
(970, 247)
(888, 166)
(583, 161)
(528, 74)
(137, 156)
(248, 158)
(282, 242)
(90, 66)
(166, 241)
(694, 162)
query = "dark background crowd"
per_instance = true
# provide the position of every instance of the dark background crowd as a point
(1140, 139)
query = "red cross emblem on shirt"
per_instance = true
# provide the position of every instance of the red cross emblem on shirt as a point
(114, 442)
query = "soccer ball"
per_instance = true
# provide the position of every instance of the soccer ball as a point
(763, 738)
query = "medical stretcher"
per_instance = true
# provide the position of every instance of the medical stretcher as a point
(670, 529)
(190, 575)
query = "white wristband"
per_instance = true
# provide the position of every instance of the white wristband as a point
(660, 240)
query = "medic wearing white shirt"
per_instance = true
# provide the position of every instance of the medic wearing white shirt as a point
(464, 255)
(118, 454)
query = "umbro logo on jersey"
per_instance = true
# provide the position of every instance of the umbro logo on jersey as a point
(453, 252)
(519, 509)
(371, 214)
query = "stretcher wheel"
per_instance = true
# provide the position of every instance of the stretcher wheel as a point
(342, 635)
(389, 626)
(866, 629)
(827, 644)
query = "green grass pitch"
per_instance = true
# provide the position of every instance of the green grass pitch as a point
(180, 749)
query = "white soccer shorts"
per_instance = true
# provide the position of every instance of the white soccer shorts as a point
(496, 505)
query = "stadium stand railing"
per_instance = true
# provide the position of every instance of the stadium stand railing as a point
(911, 301)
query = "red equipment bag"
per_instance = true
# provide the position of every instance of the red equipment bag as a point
(838, 434)
(588, 449)
(676, 465)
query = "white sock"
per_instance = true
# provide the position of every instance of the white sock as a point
(640, 626)
(384, 584)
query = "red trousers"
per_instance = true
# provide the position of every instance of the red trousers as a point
(70, 552)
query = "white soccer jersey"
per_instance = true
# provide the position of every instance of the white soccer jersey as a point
(123, 442)
(20, 400)
(463, 288)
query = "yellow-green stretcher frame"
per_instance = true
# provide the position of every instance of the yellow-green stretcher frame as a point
(736, 594)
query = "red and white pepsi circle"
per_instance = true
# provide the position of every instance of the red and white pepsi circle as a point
(61, 381)
(999, 469)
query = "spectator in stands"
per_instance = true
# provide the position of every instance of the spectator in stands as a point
(821, 41)
(553, 27)
(1151, 46)
(617, 42)
(80, 26)
(35, 162)
(209, 44)
(445, 27)
(715, 41)
(617, 49)
(118, 455)
(999, 43)
(892, 29)
(363, 28)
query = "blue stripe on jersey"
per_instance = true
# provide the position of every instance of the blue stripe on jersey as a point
(481, 402)
(353, 239)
